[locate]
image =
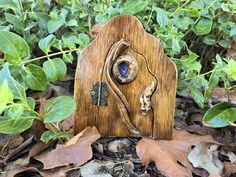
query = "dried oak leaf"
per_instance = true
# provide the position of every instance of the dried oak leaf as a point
(76, 151)
(171, 156)
(32, 171)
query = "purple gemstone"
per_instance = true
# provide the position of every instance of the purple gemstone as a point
(123, 68)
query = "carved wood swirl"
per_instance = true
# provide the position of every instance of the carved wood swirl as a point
(113, 55)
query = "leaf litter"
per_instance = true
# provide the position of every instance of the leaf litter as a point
(76, 151)
(175, 151)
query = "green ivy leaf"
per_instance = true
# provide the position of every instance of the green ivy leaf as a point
(231, 68)
(198, 97)
(162, 18)
(31, 102)
(101, 18)
(50, 135)
(68, 58)
(54, 25)
(6, 95)
(233, 31)
(72, 22)
(175, 45)
(214, 79)
(4, 28)
(15, 20)
(15, 111)
(185, 22)
(225, 7)
(35, 78)
(8, 4)
(17, 89)
(193, 12)
(209, 40)
(54, 69)
(14, 126)
(224, 43)
(203, 27)
(59, 109)
(100, 7)
(84, 40)
(134, 6)
(189, 60)
(46, 43)
(220, 115)
(43, 19)
(70, 41)
(14, 47)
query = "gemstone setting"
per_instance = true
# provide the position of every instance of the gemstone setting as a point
(123, 68)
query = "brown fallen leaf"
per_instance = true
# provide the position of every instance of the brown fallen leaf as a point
(23, 170)
(205, 155)
(32, 171)
(16, 151)
(15, 141)
(229, 169)
(9, 142)
(171, 156)
(77, 150)
(39, 147)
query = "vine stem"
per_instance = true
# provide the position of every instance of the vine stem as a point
(232, 124)
(209, 72)
(213, 2)
(186, 2)
(50, 125)
(150, 16)
(47, 56)
(21, 6)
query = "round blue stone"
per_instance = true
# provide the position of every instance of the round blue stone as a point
(123, 68)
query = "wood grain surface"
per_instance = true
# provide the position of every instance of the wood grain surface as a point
(147, 50)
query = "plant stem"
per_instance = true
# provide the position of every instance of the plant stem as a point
(232, 124)
(39, 117)
(228, 96)
(54, 131)
(89, 23)
(190, 28)
(186, 2)
(21, 6)
(150, 16)
(209, 72)
(47, 56)
(41, 5)
(211, 4)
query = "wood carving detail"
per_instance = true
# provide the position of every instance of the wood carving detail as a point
(139, 83)
(145, 99)
(125, 69)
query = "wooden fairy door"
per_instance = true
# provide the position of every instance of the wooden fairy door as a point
(124, 84)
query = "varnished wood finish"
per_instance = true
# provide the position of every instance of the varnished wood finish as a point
(158, 122)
